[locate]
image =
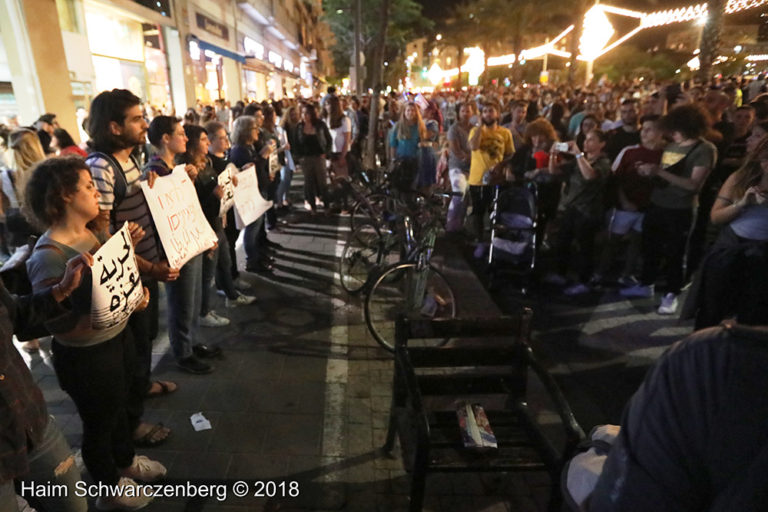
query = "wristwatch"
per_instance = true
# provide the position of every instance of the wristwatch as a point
(579, 155)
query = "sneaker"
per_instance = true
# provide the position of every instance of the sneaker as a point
(637, 291)
(192, 364)
(668, 304)
(241, 300)
(213, 320)
(144, 469)
(627, 281)
(555, 279)
(577, 289)
(130, 496)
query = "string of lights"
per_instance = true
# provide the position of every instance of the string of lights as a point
(598, 32)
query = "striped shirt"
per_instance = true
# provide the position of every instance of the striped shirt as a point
(133, 207)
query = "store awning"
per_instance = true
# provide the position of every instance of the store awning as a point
(217, 49)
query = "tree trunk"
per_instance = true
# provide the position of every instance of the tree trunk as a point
(459, 59)
(710, 38)
(377, 65)
(517, 48)
(574, 41)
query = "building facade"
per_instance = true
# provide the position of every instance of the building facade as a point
(56, 55)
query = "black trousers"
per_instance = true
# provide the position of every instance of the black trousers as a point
(665, 236)
(143, 326)
(482, 196)
(575, 245)
(98, 378)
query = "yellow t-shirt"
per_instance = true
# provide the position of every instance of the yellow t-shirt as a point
(495, 145)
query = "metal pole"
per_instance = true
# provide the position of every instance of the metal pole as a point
(356, 49)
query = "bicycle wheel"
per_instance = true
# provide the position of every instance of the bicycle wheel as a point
(404, 289)
(368, 210)
(361, 254)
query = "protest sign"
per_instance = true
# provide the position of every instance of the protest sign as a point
(249, 205)
(225, 182)
(117, 288)
(181, 225)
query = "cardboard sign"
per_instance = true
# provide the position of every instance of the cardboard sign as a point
(181, 225)
(225, 182)
(116, 289)
(249, 205)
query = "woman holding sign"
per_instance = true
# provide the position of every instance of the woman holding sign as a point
(185, 294)
(94, 366)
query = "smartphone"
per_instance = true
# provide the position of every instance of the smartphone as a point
(561, 147)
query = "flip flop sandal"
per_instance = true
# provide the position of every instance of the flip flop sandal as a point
(165, 389)
(148, 440)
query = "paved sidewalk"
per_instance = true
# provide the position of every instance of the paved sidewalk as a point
(302, 395)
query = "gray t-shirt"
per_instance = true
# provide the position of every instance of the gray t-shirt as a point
(74, 327)
(461, 136)
(667, 195)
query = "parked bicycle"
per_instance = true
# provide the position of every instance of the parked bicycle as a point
(412, 285)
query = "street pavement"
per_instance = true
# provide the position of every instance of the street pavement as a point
(302, 393)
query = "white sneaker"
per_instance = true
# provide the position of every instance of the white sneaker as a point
(555, 279)
(637, 291)
(241, 300)
(577, 289)
(144, 469)
(213, 320)
(130, 496)
(668, 304)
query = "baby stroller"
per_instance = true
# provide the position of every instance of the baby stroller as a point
(513, 233)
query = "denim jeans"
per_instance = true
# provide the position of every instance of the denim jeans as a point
(97, 377)
(44, 460)
(210, 262)
(223, 272)
(286, 176)
(251, 242)
(184, 297)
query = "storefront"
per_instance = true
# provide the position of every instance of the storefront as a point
(127, 53)
(216, 63)
(255, 70)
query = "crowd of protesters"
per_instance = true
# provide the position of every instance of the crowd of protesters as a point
(634, 183)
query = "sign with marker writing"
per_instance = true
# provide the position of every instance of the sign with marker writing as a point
(225, 182)
(181, 224)
(249, 205)
(117, 288)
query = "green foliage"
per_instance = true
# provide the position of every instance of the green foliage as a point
(406, 22)
(628, 62)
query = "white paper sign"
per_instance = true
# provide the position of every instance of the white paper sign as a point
(249, 205)
(181, 225)
(225, 182)
(117, 288)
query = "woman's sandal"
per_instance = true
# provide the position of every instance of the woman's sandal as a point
(148, 440)
(166, 387)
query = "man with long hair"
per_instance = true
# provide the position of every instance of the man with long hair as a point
(116, 127)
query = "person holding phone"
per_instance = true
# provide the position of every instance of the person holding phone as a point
(684, 168)
(583, 208)
(732, 280)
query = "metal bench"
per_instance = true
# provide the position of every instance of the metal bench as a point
(492, 370)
